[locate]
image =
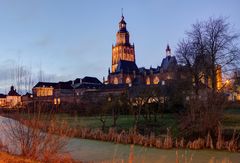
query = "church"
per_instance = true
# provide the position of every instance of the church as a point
(124, 69)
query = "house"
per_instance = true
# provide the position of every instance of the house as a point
(13, 99)
(3, 101)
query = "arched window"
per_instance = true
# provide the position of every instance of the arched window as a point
(148, 82)
(156, 80)
(115, 81)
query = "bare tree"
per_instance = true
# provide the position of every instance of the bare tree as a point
(35, 139)
(221, 46)
(117, 104)
(139, 98)
(202, 115)
(208, 44)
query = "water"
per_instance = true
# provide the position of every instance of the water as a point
(97, 151)
(90, 150)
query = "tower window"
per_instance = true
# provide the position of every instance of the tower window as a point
(156, 80)
(115, 81)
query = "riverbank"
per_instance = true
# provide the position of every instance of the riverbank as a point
(8, 158)
(107, 152)
(166, 141)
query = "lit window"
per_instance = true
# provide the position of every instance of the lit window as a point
(148, 81)
(55, 101)
(115, 81)
(156, 80)
(128, 80)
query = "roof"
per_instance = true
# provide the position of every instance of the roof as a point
(169, 62)
(93, 80)
(3, 96)
(87, 82)
(115, 86)
(126, 66)
(89, 86)
(122, 20)
(13, 92)
(64, 85)
(144, 70)
(45, 84)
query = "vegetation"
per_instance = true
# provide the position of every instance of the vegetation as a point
(7, 158)
(178, 114)
(36, 139)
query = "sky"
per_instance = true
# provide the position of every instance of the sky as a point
(68, 39)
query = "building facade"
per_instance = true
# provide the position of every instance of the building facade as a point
(124, 69)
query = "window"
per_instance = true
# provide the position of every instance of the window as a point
(148, 82)
(128, 80)
(156, 80)
(115, 81)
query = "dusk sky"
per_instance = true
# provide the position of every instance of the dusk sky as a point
(73, 38)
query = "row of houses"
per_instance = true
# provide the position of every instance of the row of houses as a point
(56, 93)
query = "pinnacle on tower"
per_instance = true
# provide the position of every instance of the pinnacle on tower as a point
(168, 50)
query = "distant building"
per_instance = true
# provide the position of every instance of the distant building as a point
(64, 92)
(3, 100)
(27, 100)
(123, 74)
(11, 100)
(125, 71)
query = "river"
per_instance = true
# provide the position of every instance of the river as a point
(97, 151)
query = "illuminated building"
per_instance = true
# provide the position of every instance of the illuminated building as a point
(122, 52)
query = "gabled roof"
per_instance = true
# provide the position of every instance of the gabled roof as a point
(126, 66)
(45, 84)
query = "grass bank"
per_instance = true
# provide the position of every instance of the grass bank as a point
(8, 158)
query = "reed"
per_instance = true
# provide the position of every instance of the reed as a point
(166, 142)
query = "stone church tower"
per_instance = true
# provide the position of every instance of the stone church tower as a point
(123, 50)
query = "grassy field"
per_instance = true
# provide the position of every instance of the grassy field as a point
(231, 121)
(124, 122)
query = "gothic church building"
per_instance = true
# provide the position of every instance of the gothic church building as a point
(125, 71)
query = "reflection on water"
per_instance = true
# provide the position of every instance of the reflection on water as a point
(90, 150)
(97, 151)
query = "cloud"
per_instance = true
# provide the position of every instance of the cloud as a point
(23, 77)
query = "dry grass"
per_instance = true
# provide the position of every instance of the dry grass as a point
(7, 158)
(164, 142)
(37, 140)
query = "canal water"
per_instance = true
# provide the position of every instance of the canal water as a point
(98, 151)
(91, 150)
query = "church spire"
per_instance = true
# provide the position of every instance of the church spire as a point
(122, 14)
(168, 50)
(122, 24)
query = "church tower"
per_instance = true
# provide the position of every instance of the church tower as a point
(122, 50)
